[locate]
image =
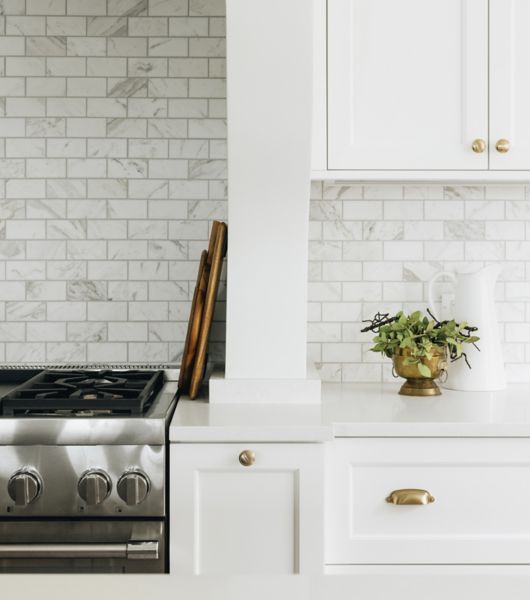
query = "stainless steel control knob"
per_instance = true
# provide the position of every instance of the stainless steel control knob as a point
(94, 486)
(24, 487)
(133, 487)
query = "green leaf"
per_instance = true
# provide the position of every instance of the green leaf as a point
(424, 370)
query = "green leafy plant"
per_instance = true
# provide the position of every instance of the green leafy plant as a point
(422, 335)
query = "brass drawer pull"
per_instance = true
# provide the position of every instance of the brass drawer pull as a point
(502, 146)
(247, 458)
(410, 496)
(478, 146)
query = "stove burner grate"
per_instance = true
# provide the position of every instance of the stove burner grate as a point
(84, 394)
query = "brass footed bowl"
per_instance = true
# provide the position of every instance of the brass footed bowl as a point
(417, 384)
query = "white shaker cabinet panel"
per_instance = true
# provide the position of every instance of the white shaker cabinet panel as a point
(407, 84)
(509, 84)
(470, 505)
(227, 518)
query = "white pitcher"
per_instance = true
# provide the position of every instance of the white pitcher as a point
(475, 304)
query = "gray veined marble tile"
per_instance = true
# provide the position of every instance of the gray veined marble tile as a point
(128, 87)
(127, 128)
(45, 290)
(51, 127)
(25, 311)
(66, 269)
(207, 169)
(67, 229)
(46, 249)
(128, 168)
(86, 249)
(168, 46)
(208, 8)
(25, 270)
(86, 209)
(421, 271)
(342, 230)
(150, 352)
(110, 148)
(148, 229)
(167, 250)
(383, 230)
(63, 352)
(174, 291)
(208, 209)
(464, 230)
(107, 26)
(147, 107)
(167, 128)
(107, 188)
(148, 148)
(148, 188)
(86, 290)
(466, 192)
(46, 209)
(87, 332)
(147, 67)
(12, 209)
(13, 250)
(22, 352)
(128, 290)
(188, 149)
(129, 249)
(325, 210)
(127, 8)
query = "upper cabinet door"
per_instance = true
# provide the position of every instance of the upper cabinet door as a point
(509, 85)
(408, 84)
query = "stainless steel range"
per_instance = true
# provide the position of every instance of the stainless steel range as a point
(83, 463)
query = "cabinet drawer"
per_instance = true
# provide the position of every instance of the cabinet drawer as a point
(480, 512)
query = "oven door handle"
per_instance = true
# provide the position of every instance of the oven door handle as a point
(130, 551)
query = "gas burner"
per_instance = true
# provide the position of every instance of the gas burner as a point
(84, 394)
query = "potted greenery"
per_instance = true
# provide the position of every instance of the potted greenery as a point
(419, 347)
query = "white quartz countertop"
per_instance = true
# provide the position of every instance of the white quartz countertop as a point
(358, 410)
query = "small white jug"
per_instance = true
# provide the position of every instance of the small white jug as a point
(475, 304)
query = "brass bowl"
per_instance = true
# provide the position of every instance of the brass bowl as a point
(417, 384)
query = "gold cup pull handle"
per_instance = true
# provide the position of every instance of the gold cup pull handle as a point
(478, 146)
(247, 458)
(502, 146)
(410, 497)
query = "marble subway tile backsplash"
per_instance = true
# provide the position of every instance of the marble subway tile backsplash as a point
(112, 168)
(375, 247)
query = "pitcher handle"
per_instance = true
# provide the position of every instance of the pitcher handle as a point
(433, 280)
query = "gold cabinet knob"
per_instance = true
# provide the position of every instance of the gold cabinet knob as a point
(478, 146)
(410, 496)
(502, 146)
(247, 458)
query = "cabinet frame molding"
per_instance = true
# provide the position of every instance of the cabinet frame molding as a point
(320, 150)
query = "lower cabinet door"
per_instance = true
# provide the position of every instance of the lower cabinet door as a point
(471, 503)
(246, 509)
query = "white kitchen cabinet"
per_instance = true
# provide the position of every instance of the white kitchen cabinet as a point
(479, 513)
(422, 90)
(227, 518)
(407, 83)
(510, 84)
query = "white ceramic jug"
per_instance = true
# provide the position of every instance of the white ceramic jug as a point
(475, 304)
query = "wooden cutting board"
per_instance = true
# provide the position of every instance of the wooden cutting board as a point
(202, 310)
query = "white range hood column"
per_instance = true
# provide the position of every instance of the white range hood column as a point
(269, 70)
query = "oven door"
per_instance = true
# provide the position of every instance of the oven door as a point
(83, 546)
